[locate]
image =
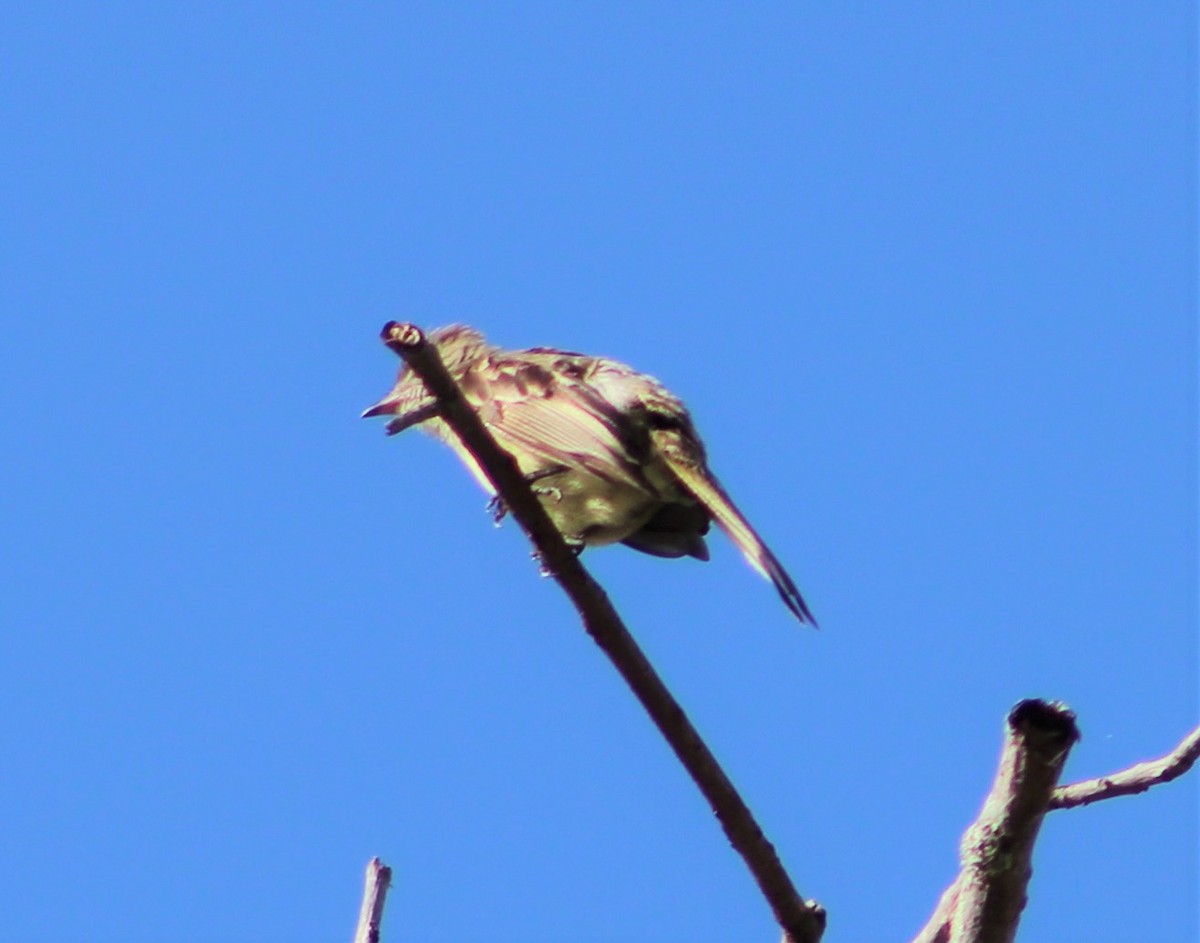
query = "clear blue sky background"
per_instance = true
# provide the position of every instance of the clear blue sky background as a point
(925, 274)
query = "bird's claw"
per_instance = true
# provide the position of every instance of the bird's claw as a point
(575, 546)
(547, 491)
(498, 509)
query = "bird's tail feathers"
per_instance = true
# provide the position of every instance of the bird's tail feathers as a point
(709, 491)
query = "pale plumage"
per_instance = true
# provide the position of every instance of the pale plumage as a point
(611, 453)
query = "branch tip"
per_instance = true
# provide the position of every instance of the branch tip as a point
(1050, 720)
(402, 336)
(370, 917)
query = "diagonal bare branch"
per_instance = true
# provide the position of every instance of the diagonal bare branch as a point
(802, 921)
(1131, 781)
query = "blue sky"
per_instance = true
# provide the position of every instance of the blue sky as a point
(925, 274)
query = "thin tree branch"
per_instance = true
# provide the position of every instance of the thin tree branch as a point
(1135, 779)
(985, 902)
(370, 915)
(802, 921)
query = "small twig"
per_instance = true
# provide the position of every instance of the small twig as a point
(1131, 781)
(803, 921)
(370, 915)
(985, 902)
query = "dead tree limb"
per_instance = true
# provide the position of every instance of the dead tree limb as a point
(370, 914)
(985, 902)
(803, 921)
(1135, 779)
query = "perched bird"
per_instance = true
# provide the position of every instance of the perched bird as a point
(611, 453)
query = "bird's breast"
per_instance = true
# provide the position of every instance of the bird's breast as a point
(593, 510)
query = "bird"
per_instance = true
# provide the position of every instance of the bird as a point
(613, 455)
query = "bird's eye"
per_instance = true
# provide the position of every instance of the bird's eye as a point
(659, 420)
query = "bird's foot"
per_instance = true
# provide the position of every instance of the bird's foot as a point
(547, 491)
(575, 545)
(543, 491)
(498, 509)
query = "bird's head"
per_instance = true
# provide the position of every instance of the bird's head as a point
(409, 403)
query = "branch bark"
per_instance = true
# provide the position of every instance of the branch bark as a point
(802, 921)
(370, 914)
(1135, 779)
(985, 902)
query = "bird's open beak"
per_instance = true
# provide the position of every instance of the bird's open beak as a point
(391, 406)
(385, 407)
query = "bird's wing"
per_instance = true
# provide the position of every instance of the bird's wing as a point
(681, 452)
(554, 416)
